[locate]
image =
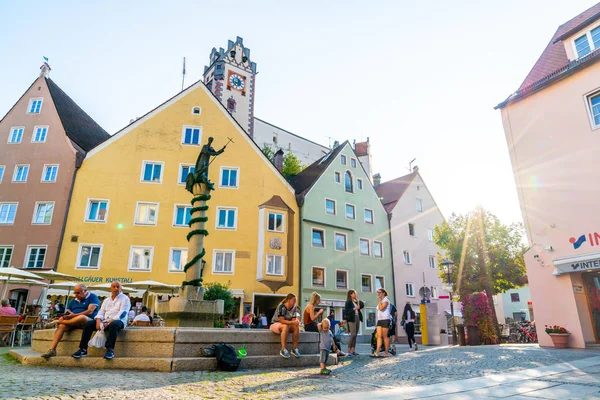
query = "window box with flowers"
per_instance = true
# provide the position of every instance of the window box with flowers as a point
(559, 336)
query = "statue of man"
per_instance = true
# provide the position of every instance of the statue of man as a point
(201, 170)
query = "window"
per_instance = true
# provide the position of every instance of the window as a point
(419, 205)
(39, 134)
(178, 259)
(330, 206)
(140, 258)
(338, 177)
(35, 106)
(5, 256)
(146, 213)
(49, 174)
(183, 214)
(409, 290)
(35, 256)
(353, 162)
(318, 238)
(366, 283)
(196, 110)
(407, 257)
(223, 261)
(434, 293)
(587, 43)
(359, 184)
(191, 135)
(229, 177)
(350, 211)
(20, 174)
(226, 218)
(368, 216)
(274, 265)
(378, 249)
(97, 211)
(371, 318)
(8, 212)
(365, 247)
(89, 256)
(348, 183)
(341, 279)
(411, 229)
(430, 235)
(184, 171)
(432, 262)
(2, 168)
(343, 159)
(16, 134)
(340, 242)
(152, 172)
(318, 277)
(43, 213)
(379, 282)
(514, 297)
(275, 222)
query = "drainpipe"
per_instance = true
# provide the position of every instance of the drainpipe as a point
(392, 257)
(300, 255)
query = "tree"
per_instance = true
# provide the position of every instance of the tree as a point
(218, 291)
(269, 152)
(291, 164)
(488, 255)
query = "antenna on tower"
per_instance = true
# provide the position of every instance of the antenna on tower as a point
(183, 73)
(410, 164)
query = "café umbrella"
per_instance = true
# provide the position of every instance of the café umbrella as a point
(10, 272)
(51, 275)
(151, 286)
(68, 286)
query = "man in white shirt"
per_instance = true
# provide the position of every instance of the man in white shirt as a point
(112, 316)
(142, 317)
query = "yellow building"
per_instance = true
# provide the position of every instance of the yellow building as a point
(129, 210)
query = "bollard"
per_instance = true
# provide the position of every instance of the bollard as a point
(424, 338)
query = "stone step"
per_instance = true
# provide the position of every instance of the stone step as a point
(33, 358)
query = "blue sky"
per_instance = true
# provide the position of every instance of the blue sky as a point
(419, 78)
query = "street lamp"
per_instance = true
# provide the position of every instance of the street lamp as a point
(448, 264)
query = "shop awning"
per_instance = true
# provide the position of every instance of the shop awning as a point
(584, 262)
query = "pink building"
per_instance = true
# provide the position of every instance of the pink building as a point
(552, 127)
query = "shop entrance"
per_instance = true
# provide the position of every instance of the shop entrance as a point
(592, 286)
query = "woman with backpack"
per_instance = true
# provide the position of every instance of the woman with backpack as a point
(284, 322)
(408, 316)
(353, 317)
(311, 314)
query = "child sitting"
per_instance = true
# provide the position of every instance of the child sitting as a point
(325, 343)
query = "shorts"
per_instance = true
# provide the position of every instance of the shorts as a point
(276, 327)
(384, 323)
(324, 356)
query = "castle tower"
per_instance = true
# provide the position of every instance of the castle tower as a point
(231, 76)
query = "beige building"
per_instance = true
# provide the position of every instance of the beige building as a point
(552, 127)
(43, 139)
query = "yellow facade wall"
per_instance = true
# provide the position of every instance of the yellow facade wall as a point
(113, 172)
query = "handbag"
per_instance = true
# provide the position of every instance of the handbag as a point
(99, 339)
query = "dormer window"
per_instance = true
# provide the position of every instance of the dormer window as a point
(588, 42)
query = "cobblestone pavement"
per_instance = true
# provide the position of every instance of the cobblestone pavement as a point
(427, 366)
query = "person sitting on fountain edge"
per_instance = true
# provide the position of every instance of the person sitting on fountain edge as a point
(113, 316)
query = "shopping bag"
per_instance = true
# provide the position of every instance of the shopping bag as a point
(99, 339)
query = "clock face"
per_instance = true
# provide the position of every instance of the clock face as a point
(236, 81)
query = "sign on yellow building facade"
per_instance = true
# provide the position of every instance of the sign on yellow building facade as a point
(129, 210)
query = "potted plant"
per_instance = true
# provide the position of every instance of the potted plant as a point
(559, 335)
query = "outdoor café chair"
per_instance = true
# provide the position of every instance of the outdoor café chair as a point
(27, 326)
(8, 324)
(141, 323)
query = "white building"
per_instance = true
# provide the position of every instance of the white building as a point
(514, 304)
(413, 216)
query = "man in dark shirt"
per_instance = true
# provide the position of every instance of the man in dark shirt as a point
(82, 308)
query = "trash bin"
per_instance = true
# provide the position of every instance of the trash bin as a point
(461, 335)
(473, 335)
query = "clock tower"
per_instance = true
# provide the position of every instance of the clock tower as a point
(231, 76)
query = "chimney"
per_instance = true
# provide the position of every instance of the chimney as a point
(415, 169)
(335, 144)
(278, 160)
(376, 180)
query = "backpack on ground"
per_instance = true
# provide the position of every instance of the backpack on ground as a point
(227, 359)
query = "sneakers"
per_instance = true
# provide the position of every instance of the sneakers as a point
(49, 353)
(79, 354)
(354, 353)
(51, 324)
(296, 353)
(342, 354)
(284, 353)
(325, 371)
(110, 354)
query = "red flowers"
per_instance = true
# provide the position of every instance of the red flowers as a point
(556, 329)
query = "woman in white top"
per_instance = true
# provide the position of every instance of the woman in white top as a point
(383, 322)
(408, 315)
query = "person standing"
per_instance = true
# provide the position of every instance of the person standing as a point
(383, 322)
(408, 316)
(263, 321)
(112, 316)
(246, 320)
(311, 314)
(353, 317)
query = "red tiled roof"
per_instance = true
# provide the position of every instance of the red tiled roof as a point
(391, 191)
(360, 149)
(554, 56)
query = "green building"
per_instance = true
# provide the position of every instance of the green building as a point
(344, 230)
